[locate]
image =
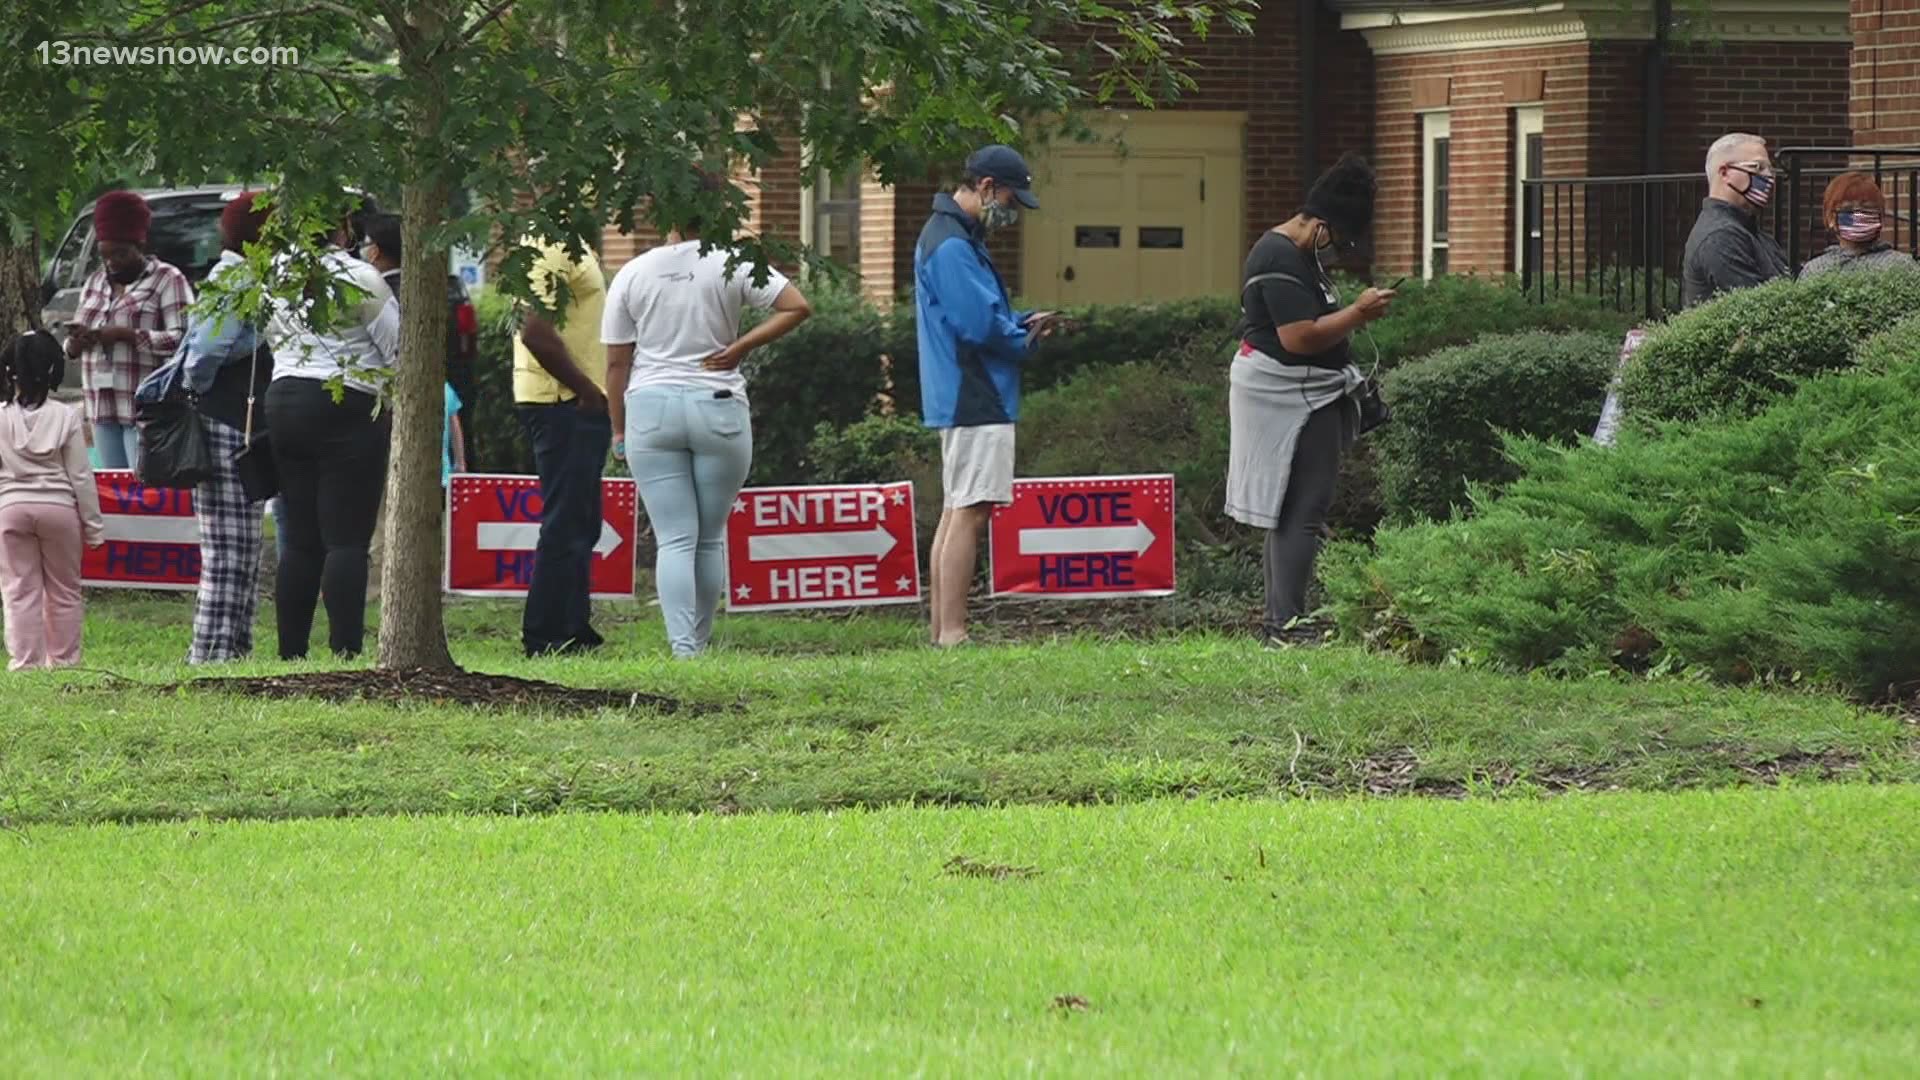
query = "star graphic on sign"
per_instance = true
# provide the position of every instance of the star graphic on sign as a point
(744, 592)
(903, 584)
(899, 498)
(739, 506)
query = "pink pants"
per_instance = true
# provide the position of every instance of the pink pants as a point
(40, 550)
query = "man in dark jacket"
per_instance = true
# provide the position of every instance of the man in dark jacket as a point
(1726, 249)
(971, 346)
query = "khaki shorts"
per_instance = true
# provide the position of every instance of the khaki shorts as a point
(976, 465)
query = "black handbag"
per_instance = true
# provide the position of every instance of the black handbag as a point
(173, 443)
(259, 477)
(1373, 407)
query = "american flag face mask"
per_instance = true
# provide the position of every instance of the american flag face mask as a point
(1858, 226)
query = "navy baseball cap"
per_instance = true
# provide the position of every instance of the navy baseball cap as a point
(1004, 166)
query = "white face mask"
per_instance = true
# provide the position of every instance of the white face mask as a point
(994, 214)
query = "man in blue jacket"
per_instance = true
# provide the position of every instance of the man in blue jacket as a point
(971, 345)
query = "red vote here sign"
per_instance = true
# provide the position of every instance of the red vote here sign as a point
(1085, 538)
(153, 539)
(493, 529)
(843, 545)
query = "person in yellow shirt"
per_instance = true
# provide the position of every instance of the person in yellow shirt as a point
(559, 392)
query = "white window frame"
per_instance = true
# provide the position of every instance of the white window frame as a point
(1528, 120)
(1434, 126)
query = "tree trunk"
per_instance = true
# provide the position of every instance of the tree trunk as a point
(412, 631)
(19, 288)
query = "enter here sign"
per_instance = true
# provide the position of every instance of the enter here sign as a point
(829, 546)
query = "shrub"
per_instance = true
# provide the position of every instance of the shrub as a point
(1449, 311)
(1450, 408)
(495, 442)
(831, 370)
(1748, 348)
(1898, 344)
(1779, 546)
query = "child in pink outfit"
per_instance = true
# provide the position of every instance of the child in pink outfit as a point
(49, 506)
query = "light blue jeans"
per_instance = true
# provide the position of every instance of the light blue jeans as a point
(117, 446)
(689, 452)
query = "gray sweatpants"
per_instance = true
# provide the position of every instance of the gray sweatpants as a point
(1294, 543)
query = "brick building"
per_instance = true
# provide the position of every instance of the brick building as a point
(1456, 101)
(1886, 72)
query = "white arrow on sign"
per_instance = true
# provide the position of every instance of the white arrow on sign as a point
(871, 543)
(138, 529)
(1136, 538)
(525, 536)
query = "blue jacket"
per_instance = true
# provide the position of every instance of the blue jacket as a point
(971, 339)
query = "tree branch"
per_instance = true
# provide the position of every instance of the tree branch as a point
(210, 28)
(480, 24)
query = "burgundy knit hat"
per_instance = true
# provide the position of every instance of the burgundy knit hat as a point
(240, 223)
(121, 217)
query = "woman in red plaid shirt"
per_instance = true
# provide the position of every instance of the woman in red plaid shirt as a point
(132, 314)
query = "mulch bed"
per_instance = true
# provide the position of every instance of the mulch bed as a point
(419, 685)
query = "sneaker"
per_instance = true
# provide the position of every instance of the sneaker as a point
(1299, 633)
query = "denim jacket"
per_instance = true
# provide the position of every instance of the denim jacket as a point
(213, 342)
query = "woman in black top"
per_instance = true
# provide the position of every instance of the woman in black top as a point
(1291, 404)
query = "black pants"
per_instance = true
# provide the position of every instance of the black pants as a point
(569, 452)
(333, 469)
(1294, 543)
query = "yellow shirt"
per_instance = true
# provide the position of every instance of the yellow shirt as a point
(579, 327)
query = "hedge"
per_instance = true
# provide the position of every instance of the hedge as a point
(1450, 409)
(852, 360)
(1778, 547)
(495, 442)
(1898, 344)
(1737, 353)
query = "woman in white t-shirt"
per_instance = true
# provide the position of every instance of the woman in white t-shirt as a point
(679, 405)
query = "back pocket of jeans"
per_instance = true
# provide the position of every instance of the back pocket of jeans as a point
(724, 416)
(644, 414)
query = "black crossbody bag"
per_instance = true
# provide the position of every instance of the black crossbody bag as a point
(254, 460)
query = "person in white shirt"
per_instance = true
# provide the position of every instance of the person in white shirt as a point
(674, 388)
(331, 455)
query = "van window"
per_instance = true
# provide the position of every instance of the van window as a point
(186, 234)
(67, 262)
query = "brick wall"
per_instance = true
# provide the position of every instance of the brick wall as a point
(1795, 94)
(773, 208)
(1593, 111)
(1885, 92)
(1475, 88)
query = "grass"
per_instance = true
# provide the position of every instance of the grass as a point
(1710, 933)
(804, 714)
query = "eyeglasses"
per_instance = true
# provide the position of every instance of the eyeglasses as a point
(1764, 168)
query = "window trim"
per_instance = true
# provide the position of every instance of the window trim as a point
(1434, 127)
(813, 209)
(1528, 120)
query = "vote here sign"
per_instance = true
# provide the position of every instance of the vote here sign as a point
(848, 545)
(493, 529)
(153, 540)
(1085, 538)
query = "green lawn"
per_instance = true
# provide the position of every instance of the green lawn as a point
(809, 714)
(1710, 933)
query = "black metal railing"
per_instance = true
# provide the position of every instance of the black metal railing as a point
(1622, 238)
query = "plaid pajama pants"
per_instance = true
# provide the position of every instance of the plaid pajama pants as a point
(229, 556)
